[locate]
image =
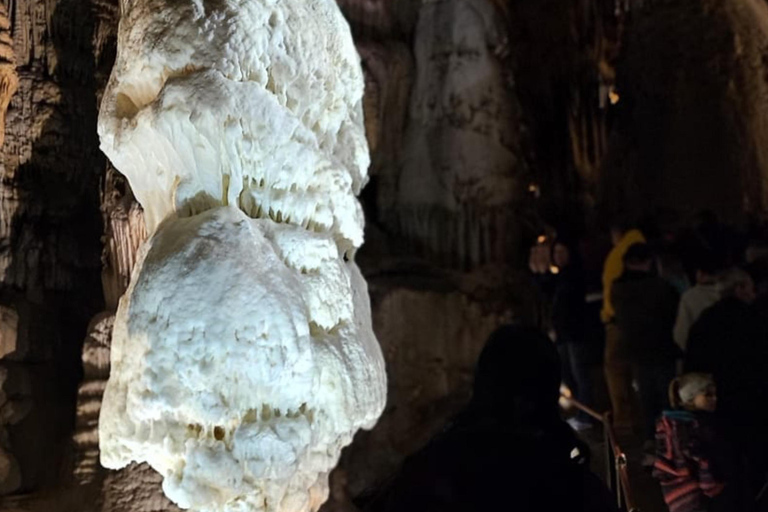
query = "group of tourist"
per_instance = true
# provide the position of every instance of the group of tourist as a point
(685, 356)
(685, 338)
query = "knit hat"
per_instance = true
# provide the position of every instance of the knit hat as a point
(686, 387)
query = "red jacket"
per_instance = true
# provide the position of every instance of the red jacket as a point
(682, 465)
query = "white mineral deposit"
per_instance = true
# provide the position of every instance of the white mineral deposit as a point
(243, 358)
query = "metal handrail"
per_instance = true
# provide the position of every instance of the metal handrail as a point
(613, 453)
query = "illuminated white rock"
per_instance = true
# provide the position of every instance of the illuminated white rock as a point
(254, 103)
(239, 371)
(243, 358)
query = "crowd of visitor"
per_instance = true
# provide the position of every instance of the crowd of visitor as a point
(681, 323)
(685, 353)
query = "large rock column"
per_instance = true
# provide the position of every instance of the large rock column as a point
(243, 358)
(463, 174)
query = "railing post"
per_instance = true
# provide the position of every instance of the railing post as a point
(608, 449)
(614, 456)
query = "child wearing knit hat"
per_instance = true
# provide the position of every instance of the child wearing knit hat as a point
(693, 392)
(685, 444)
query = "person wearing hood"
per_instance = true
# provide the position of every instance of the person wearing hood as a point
(508, 449)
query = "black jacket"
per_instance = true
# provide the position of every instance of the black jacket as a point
(569, 307)
(481, 464)
(508, 450)
(646, 309)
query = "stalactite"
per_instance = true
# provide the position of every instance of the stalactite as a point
(466, 239)
(9, 80)
(598, 35)
(125, 231)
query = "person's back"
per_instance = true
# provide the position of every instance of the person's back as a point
(725, 340)
(616, 366)
(692, 304)
(717, 338)
(485, 465)
(508, 450)
(729, 341)
(697, 299)
(645, 307)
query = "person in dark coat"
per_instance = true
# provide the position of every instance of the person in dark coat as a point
(729, 341)
(508, 449)
(724, 340)
(646, 309)
(569, 326)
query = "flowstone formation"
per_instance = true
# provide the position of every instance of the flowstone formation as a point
(243, 358)
(462, 173)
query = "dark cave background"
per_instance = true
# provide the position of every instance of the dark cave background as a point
(689, 132)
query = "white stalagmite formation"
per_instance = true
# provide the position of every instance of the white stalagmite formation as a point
(243, 358)
(462, 170)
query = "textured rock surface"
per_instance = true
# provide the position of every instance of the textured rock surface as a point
(244, 399)
(9, 80)
(49, 192)
(9, 332)
(124, 232)
(243, 358)
(96, 350)
(252, 104)
(49, 220)
(462, 170)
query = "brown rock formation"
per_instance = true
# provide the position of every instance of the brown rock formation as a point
(9, 80)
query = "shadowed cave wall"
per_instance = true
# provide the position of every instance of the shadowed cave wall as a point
(487, 120)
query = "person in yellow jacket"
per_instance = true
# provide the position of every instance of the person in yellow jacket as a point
(618, 372)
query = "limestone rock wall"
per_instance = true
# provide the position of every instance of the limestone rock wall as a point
(50, 228)
(462, 172)
(689, 128)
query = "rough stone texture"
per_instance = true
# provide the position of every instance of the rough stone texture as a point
(124, 232)
(136, 488)
(50, 182)
(11, 411)
(256, 105)
(49, 221)
(9, 332)
(432, 325)
(243, 401)
(463, 172)
(9, 80)
(242, 359)
(96, 349)
(563, 58)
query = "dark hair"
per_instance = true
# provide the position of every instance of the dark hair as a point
(518, 374)
(574, 252)
(638, 254)
(707, 262)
